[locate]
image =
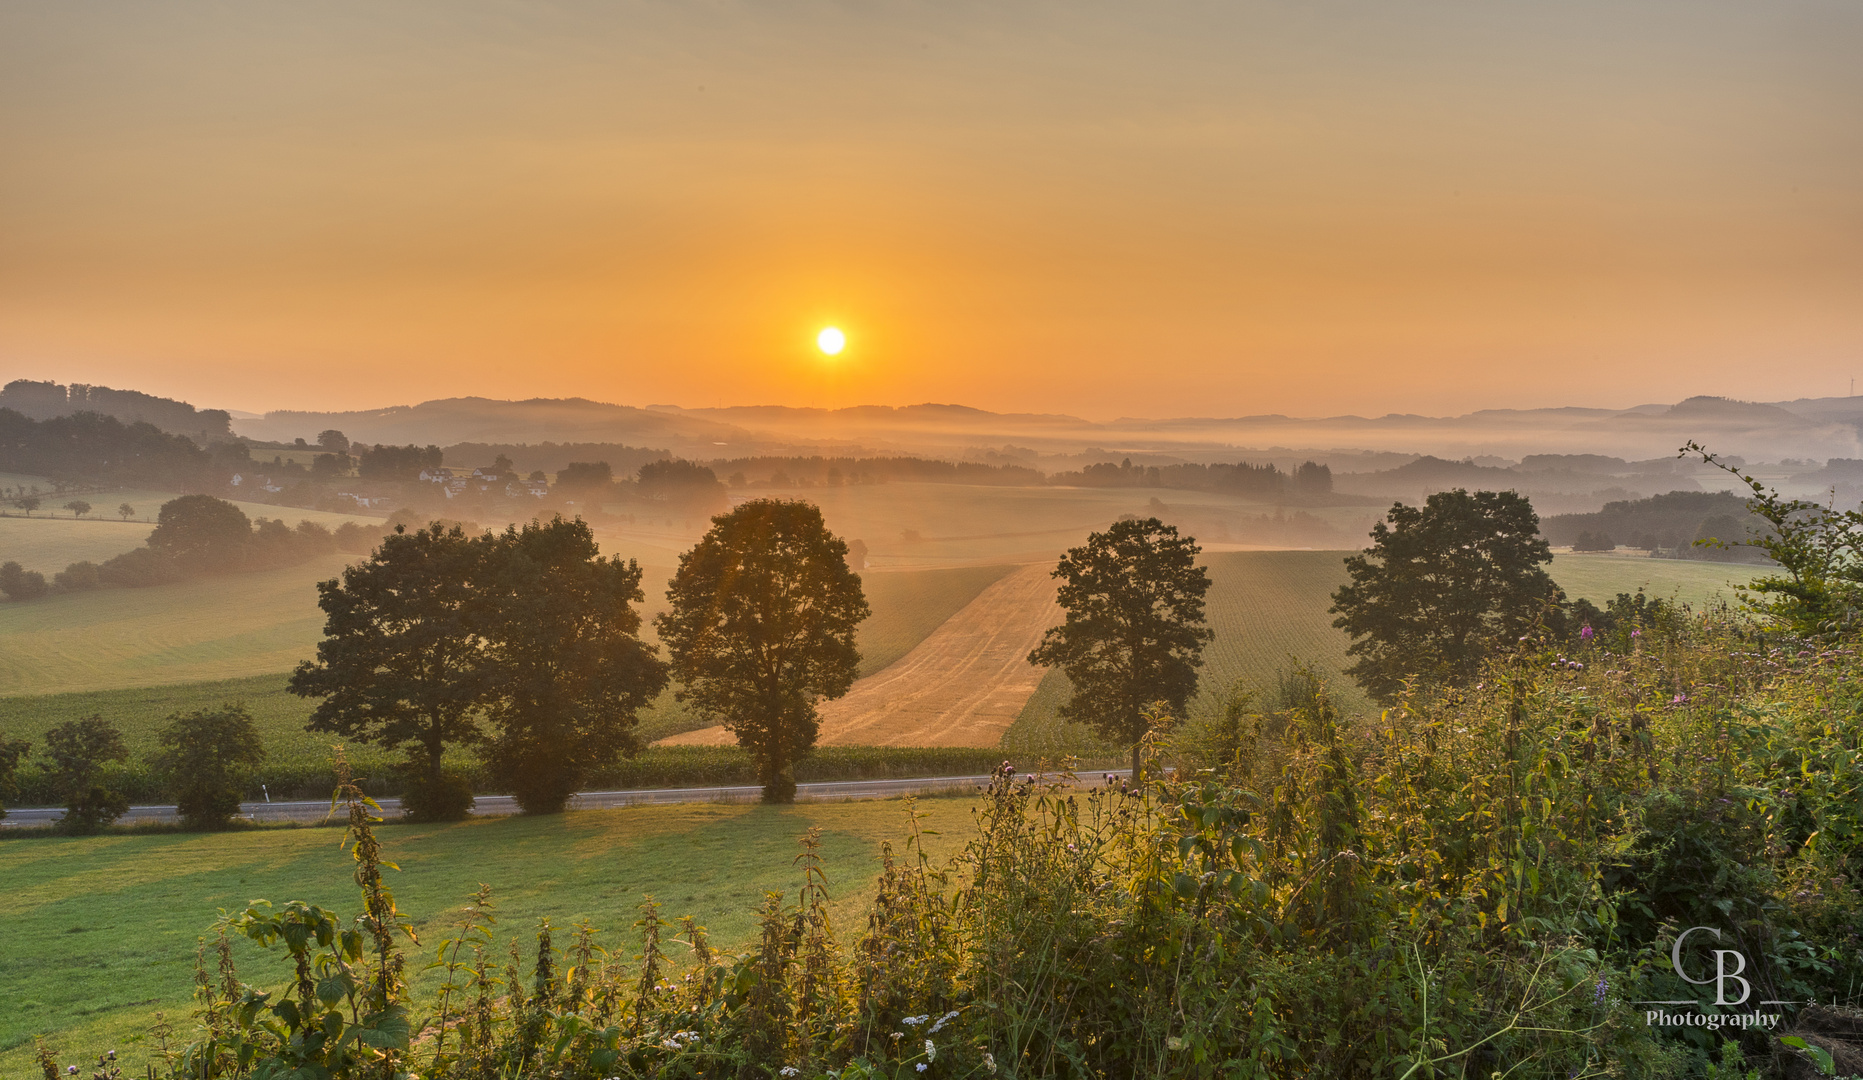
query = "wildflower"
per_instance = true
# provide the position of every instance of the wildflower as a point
(1598, 991)
(948, 1017)
(1585, 632)
(1679, 699)
(989, 1062)
(791, 1070)
(1173, 1043)
(915, 1021)
(1636, 633)
(931, 1052)
(921, 1066)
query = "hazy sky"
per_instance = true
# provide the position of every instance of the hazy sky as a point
(1106, 209)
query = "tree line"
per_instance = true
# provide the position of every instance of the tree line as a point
(205, 755)
(526, 645)
(194, 536)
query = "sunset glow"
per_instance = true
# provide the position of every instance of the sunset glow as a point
(1421, 208)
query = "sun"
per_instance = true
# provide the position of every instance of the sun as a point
(831, 341)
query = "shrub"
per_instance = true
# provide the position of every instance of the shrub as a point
(78, 751)
(354, 539)
(206, 754)
(20, 583)
(139, 567)
(78, 577)
(425, 799)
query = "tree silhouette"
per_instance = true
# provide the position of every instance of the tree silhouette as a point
(202, 533)
(397, 665)
(1134, 634)
(561, 661)
(78, 508)
(762, 625)
(1442, 587)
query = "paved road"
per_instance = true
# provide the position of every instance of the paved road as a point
(495, 805)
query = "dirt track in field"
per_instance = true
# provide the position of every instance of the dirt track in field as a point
(961, 686)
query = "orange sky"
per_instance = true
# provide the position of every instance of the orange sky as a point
(1105, 209)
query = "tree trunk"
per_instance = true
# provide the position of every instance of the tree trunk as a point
(1137, 779)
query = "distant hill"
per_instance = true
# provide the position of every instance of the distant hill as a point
(1826, 428)
(537, 420)
(46, 400)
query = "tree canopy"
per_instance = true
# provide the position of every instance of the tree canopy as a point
(79, 750)
(201, 533)
(208, 752)
(398, 663)
(1134, 634)
(561, 663)
(1442, 586)
(761, 625)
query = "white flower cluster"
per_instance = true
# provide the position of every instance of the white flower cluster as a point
(679, 1040)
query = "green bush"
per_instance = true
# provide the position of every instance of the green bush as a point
(205, 754)
(423, 800)
(78, 754)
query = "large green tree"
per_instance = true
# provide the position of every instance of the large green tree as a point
(561, 661)
(207, 755)
(1442, 587)
(1134, 634)
(398, 665)
(761, 626)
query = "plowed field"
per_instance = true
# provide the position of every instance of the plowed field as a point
(962, 686)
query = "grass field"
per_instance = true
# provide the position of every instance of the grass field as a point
(1269, 607)
(101, 931)
(1598, 578)
(207, 629)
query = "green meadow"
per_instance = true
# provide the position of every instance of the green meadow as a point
(102, 931)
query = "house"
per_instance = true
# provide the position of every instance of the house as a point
(263, 483)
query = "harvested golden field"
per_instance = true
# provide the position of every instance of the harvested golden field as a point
(962, 686)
